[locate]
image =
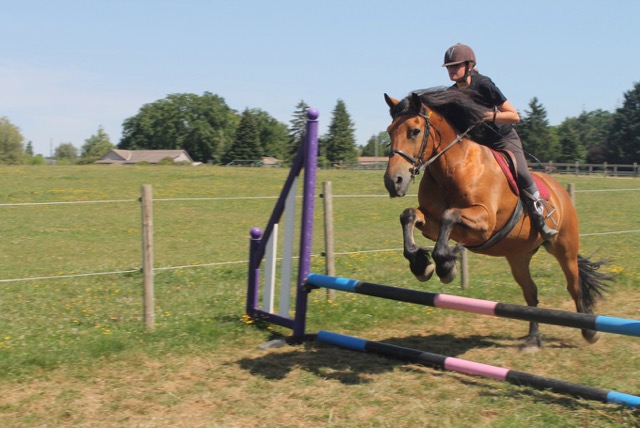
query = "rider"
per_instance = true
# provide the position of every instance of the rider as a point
(460, 62)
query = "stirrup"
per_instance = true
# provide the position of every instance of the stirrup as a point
(541, 206)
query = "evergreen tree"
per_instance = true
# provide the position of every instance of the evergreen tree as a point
(340, 144)
(378, 145)
(96, 146)
(246, 145)
(535, 133)
(29, 149)
(297, 130)
(570, 148)
(623, 141)
(11, 149)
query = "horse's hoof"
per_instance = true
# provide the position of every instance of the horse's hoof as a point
(448, 278)
(529, 349)
(591, 336)
(428, 273)
(532, 344)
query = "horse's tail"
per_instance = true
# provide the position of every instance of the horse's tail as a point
(593, 284)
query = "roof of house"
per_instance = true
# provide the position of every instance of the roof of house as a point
(128, 157)
(372, 159)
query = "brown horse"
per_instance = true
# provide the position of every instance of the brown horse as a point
(464, 195)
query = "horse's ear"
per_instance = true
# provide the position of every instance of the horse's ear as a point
(391, 102)
(416, 102)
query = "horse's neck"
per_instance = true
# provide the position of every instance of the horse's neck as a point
(455, 151)
(461, 163)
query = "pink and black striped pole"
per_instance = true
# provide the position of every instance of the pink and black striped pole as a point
(603, 323)
(477, 369)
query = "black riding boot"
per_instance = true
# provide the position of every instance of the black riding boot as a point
(537, 219)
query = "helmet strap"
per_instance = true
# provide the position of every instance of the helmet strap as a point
(467, 72)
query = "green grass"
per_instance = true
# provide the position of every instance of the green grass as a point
(74, 349)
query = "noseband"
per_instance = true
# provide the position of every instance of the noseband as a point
(418, 163)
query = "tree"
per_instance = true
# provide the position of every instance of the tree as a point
(201, 125)
(11, 149)
(570, 148)
(66, 153)
(297, 130)
(623, 140)
(537, 138)
(340, 143)
(246, 145)
(96, 146)
(591, 129)
(29, 149)
(272, 134)
(378, 145)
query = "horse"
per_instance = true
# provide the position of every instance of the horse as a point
(464, 196)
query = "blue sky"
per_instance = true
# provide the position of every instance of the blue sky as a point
(68, 67)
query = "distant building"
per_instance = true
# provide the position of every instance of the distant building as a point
(132, 157)
(372, 162)
(266, 161)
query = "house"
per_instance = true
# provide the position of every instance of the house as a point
(132, 157)
(372, 162)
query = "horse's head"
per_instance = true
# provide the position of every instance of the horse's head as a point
(409, 132)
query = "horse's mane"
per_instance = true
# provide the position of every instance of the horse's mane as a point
(459, 108)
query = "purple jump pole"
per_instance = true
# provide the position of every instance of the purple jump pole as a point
(306, 234)
(307, 159)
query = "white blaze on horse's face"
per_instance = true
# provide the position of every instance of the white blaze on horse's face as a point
(406, 133)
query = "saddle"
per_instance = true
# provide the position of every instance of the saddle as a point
(508, 164)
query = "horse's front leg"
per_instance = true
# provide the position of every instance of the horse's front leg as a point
(444, 257)
(419, 257)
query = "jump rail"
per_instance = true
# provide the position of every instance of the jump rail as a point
(477, 369)
(602, 323)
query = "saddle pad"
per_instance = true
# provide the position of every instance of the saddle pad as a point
(501, 158)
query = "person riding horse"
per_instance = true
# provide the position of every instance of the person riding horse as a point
(460, 61)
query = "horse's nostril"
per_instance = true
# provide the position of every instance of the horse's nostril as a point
(399, 180)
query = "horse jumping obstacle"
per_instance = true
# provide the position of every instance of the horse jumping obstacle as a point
(477, 369)
(485, 307)
(306, 281)
(606, 324)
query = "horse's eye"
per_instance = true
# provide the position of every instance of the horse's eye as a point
(415, 132)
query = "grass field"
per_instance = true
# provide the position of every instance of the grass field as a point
(74, 352)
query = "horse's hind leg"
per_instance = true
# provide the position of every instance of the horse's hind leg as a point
(519, 264)
(419, 257)
(584, 284)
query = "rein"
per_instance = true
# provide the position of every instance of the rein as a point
(418, 162)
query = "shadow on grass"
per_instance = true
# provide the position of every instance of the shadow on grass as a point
(353, 368)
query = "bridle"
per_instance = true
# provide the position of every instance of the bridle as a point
(418, 164)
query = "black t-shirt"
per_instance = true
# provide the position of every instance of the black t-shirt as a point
(490, 96)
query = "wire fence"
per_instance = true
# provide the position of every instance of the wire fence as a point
(237, 262)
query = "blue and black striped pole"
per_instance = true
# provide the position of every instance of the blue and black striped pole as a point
(477, 369)
(603, 323)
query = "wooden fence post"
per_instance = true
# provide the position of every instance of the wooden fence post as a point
(464, 269)
(147, 256)
(571, 188)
